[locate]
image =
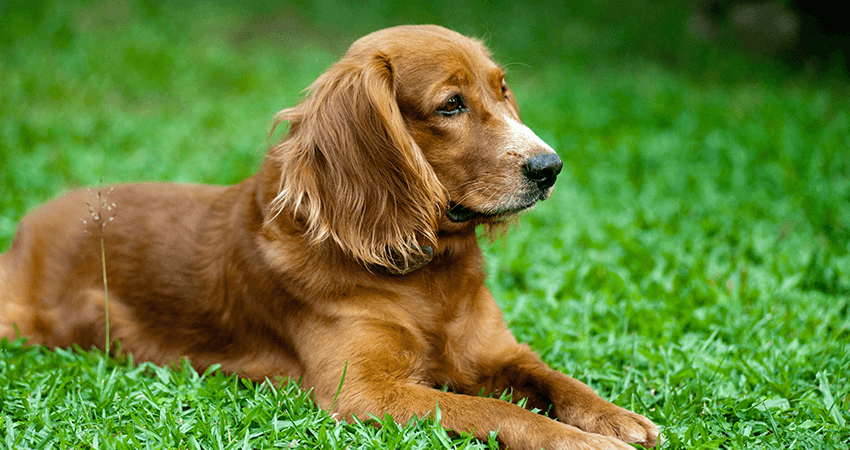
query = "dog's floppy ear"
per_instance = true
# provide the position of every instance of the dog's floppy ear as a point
(353, 173)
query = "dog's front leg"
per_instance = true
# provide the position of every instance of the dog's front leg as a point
(572, 401)
(516, 428)
(381, 372)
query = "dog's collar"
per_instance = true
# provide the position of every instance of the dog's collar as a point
(408, 265)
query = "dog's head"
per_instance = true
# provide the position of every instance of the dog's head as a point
(414, 132)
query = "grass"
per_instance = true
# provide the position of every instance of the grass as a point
(78, 399)
(693, 263)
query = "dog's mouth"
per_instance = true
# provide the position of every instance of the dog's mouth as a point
(458, 213)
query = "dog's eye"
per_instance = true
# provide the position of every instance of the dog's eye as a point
(505, 92)
(453, 106)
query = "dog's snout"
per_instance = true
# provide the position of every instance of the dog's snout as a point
(543, 169)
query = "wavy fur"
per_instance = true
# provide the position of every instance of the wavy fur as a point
(352, 172)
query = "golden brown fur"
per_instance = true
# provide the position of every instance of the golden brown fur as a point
(353, 246)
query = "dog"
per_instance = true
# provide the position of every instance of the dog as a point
(350, 257)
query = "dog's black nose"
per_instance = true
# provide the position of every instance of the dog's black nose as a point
(543, 169)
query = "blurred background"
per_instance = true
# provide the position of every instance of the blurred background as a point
(696, 36)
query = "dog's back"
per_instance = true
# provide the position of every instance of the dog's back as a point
(51, 279)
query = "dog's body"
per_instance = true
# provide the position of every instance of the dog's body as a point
(352, 249)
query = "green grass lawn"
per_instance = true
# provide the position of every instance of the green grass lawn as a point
(693, 264)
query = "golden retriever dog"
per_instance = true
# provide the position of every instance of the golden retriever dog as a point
(351, 255)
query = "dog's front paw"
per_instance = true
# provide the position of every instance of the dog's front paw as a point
(595, 442)
(569, 437)
(625, 425)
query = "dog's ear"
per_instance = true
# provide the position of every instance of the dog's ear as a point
(352, 172)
